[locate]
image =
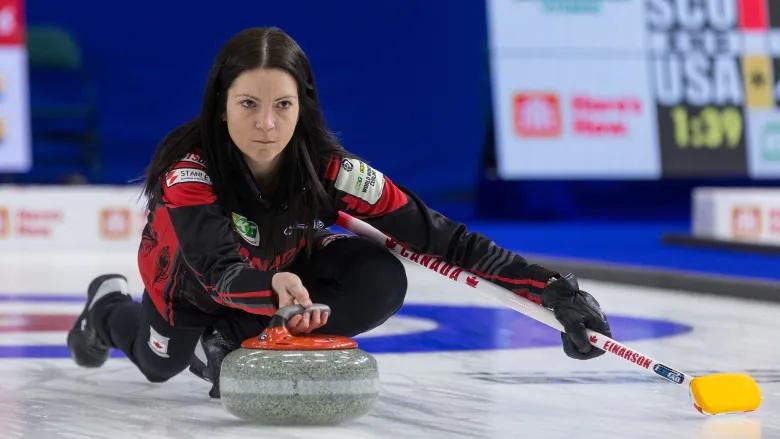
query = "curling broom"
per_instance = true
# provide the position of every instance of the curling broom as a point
(712, 394)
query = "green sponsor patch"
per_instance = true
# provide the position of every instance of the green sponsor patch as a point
(247, 229)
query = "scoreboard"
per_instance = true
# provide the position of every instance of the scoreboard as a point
(15, 154)
(636, 89)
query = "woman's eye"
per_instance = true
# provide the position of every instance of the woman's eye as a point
(284, 104)
(246, 103)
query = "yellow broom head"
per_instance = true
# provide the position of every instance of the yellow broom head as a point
(725, 393)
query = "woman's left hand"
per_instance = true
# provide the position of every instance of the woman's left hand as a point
(307, 322)
(576, 310)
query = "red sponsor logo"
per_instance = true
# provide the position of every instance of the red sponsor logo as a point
(37, 223)
(5, 226)
(115, 223)
(746, 221)
(472, 281)
(11, 23)
(537, 115)
(627, 354)
(391, 243)
(774, 221)
(593, 339)
(603, 117)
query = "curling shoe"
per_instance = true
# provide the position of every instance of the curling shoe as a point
(86, 348)
(206, 360)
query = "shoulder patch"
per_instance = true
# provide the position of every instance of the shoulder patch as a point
(358, 179)
(186, 175)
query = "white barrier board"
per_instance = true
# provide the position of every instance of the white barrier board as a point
(737, 214)
(61, 218)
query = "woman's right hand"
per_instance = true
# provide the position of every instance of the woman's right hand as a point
(290, 291)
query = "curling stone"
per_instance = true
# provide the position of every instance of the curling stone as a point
(279, 378)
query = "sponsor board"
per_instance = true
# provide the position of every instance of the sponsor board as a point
(739, 214)
(77, 218)
(585, 122)
(15, 143)
(705, 73)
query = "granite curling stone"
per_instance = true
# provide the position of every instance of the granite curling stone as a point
(278, 378)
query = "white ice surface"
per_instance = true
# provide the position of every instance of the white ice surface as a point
(524, 393)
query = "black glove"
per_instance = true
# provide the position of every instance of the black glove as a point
(576, 310)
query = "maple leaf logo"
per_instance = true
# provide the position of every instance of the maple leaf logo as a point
(390, 243)
(593, 339)
(472, 281)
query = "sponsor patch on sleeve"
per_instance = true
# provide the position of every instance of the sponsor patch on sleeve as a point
(358, 179)
(186, 175)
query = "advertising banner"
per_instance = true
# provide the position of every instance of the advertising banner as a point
(585, 121)
(15, 153)
(737, 214)
(70, 218)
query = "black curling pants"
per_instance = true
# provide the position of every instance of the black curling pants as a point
(361, 282)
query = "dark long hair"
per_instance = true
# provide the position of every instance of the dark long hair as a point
(312, 144)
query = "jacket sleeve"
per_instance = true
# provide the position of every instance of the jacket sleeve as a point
(366, 193)
(206, 242)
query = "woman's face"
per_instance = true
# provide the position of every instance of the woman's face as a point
(261, 113)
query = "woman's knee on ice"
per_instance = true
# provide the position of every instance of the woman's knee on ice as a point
(159, 370)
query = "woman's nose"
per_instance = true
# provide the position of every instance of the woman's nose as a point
(265, 120)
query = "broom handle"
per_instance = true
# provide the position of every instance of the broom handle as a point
(539, 313)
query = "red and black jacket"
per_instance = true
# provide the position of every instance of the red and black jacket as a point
(199, 254)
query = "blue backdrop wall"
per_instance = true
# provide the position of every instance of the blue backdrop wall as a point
(403, 83)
